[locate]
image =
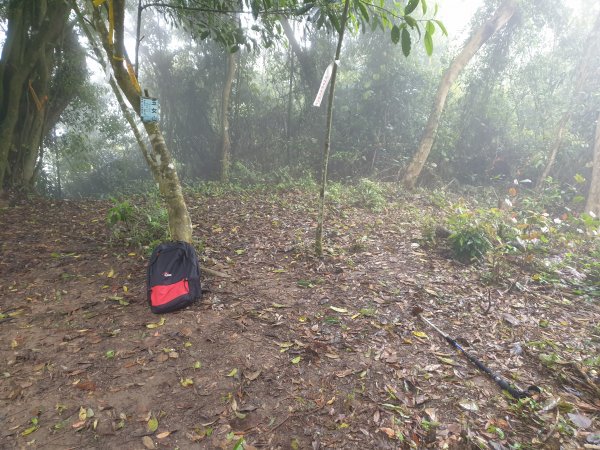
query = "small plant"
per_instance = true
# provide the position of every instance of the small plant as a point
(122, 211)
(475, 233)
(370, 195)
(470, 239)
(139, 226)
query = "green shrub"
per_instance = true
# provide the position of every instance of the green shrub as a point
(120, 212)
(143, 226)
(475, 233)
(370, 195)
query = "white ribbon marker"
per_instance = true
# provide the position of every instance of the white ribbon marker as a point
(324, 83)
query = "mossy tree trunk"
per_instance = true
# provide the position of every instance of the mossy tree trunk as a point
(159, 157)
(34, 35)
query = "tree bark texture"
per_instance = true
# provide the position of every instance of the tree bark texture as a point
(225, 103)
(34, 35)
(159, 158)
(504, 13)
(592, 203)
(581, 76)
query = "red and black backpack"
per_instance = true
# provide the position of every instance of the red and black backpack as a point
(173, 277)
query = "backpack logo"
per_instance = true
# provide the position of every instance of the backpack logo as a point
(167, 274)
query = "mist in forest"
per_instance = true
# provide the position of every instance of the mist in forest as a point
(524, 106)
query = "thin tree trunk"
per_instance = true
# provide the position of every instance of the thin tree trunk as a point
(326, 147)
(500, 19)
(225, 137)
(159, 160)
(288, 122)
(592, 203)
(582, 74)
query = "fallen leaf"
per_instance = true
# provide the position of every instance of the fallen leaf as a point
(29, 430)
(160, 323)
(390, 432)
(185, 382)
(111, 273)
(163, 435)
(344, 373)
(87, 385)
(296, 360)
(448, 361)
(197, 365)
(469, 405)
(148, 442)
(340, 310)
(252, 375)
(580, 420)
(233, 373)
(420, 334)
(510, 319)
(152, 424)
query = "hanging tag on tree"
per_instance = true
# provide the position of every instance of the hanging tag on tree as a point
(324, 83)
(149, 109)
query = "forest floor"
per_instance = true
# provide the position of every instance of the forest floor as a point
(289, 350)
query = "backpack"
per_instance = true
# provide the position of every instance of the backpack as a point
(173, 277)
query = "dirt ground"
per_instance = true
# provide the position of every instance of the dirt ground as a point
(288, 351)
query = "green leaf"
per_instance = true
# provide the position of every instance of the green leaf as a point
(363, 10)
(335, 22)
(424, 6)
(395, 34)
(296, 360)
(442, 27)
(29, 430)
(239, 445)
(405, 42)
(428, 41)
(152, 424)
(411, 22)
(430, 27)
(412, 4)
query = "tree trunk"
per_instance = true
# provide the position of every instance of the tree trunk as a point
(32, 34)
(159, 158)
(288, 121)
(500, 19)
(326, 147)
(307, 66)
(225, 138)
(582, 74)
(592, 203)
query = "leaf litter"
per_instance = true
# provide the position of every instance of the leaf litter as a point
(328, 352)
